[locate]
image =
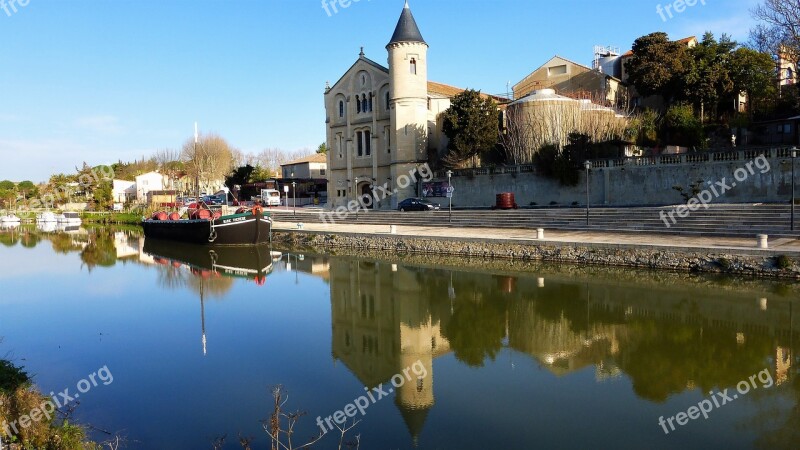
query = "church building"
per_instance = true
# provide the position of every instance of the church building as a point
(382, 123)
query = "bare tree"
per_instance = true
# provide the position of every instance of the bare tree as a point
(780, 30)
(209, 160)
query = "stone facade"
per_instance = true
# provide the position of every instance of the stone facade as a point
(383, 122)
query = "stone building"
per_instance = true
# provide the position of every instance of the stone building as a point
(382, 123)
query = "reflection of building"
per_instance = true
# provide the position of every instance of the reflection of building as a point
(126, 245)
(382, 324)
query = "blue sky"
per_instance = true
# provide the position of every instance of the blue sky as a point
(100, 81)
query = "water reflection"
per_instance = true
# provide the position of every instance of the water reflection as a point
(656, 335)
(665, 340)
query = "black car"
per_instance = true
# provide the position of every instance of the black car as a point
(417, 204)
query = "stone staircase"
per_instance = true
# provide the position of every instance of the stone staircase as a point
(717, 220)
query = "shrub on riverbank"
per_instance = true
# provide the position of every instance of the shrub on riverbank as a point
(132, 218)
(21, 403)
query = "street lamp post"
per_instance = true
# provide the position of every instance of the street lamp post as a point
(449, 197)
(587, 165)
(794, 155)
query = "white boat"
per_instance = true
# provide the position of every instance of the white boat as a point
(9, 218)
(69, 218)
(47, 217)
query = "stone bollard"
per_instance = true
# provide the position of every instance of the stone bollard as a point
(392, 229)
(540, 233)
(762, 241)
(300, 226)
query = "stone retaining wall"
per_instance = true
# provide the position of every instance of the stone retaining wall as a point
(688, 260)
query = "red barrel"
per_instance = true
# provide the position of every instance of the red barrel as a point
(216, 214)
(174, 216)
(506, 200)
(160, 215)
(200, 214)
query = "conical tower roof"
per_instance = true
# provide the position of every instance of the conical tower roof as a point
(407, 29)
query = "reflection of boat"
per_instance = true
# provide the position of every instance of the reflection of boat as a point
(9, 225)
(47, 217)
(248, 228)
(243, 262)
(9, 218)
(46, 226)
(67, 228)
(70, 218)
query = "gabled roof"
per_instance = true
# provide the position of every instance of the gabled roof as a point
(567, 60)
(364, 59)
(315, 158)
(407, 29)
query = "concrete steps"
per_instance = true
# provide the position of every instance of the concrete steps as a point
(718, 220)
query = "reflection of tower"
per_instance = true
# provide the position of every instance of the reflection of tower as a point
(382, 326)
(415, 397)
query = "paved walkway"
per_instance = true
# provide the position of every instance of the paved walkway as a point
(591, 238)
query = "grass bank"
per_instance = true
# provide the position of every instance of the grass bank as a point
(26, 424)
(120, 218)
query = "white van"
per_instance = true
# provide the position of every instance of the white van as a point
(270, 197)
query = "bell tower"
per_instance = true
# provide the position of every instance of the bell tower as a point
(408, 90)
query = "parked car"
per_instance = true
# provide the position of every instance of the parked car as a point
(417, 204)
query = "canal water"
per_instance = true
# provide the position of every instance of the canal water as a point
(456, 354)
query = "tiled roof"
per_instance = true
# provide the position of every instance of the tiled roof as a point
(315, 158)
(451, 91)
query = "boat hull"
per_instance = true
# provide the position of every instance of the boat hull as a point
(248, 262)
(239, 229)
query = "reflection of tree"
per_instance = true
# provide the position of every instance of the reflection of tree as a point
(210, 284)
(30, 239)
(476, 329)
(663, 358)
(101, 250)
(787, 435)
(9, 238)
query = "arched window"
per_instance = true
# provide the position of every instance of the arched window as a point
(364, 102)
(367, 143)
(370, 102)
(341, 108)
(387, 100)
(413, 66)
(789, 74)
(358, 104)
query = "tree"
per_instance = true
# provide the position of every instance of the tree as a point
(657, 66)
(780, 30)
(323, 148)
(210, 160)
(707, 79)
(27, 189)
(471, 125)
(753, 73)
(682, 126)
